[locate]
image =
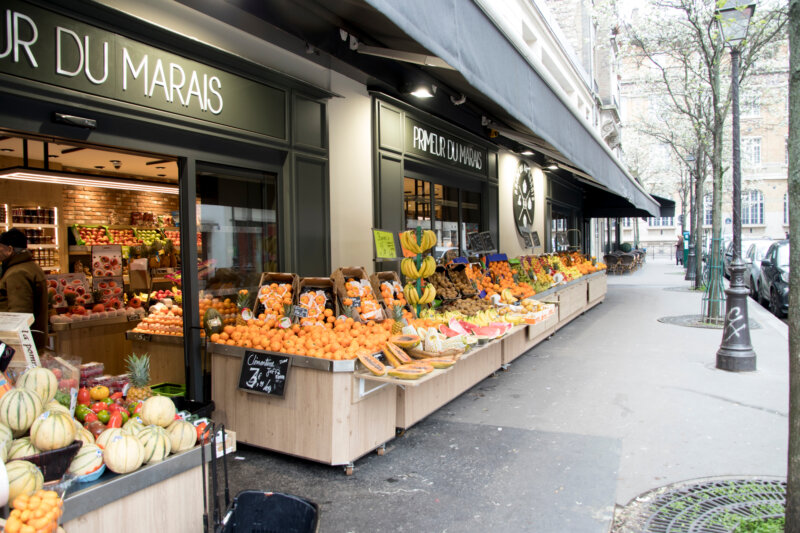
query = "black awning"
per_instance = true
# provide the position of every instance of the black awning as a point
(461, 34)
(667, 206)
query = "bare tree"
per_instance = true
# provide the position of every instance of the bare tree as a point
(680, 40)
(793, 478)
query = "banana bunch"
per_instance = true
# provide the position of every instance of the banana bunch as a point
(408, 267)
(408, 239)
(507, 296)
(484, 318)
(413, 297)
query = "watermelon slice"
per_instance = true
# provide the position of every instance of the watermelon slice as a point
(490, 332)
(456, 325)
(449, 332)
(502, 326)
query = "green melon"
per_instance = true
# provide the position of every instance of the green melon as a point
(53, 430)
(156, 443)
(40, 380)
(88, 459)
(18, 409)
(23, 478)
(21, 448)
(212, 322)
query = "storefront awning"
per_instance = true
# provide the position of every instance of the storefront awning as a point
(461, 34)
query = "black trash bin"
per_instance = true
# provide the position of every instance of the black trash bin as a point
(270, 512)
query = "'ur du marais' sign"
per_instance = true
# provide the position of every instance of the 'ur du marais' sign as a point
(432, 143)
(44, 46)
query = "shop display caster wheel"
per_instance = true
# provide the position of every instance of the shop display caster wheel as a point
(381, 450)
(348, 470)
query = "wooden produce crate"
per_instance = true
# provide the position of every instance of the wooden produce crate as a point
(277, 277)
(340, 277)
(325, 284)
(457, 274)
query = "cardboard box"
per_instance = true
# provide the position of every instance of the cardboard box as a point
(340, 277)
(230, 442)
(326, 284)
(277, 277)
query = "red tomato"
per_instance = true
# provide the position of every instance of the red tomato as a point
(98, 406)
(114, 407)
(89, 418)
(116, 396)
(84, 397)
(115, 420)
(200, 428)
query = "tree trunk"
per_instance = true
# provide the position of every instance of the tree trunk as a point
(698, 226)
(793, 477)
(714, 310)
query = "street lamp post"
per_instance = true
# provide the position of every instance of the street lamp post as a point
(692, 257)
(736, 353)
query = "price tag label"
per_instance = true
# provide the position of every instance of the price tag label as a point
(356, 301)
(384, 244)
(141, 337)
(299, 311)
(133, 317)
(264, 373)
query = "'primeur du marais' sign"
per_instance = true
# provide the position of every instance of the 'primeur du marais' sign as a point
(421, 139)
(47, 47)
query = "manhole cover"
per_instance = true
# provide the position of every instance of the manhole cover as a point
(712, 506)
(697, 321)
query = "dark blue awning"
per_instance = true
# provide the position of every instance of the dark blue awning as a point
(461, 34)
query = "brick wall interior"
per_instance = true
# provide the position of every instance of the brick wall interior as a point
(92, 205)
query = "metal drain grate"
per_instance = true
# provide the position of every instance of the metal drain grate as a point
(716, 506)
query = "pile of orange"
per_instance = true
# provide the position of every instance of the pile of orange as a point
(369, 308)
(226, 308)
(392, 294)
(162, 322)
(274, 296)
(503, 279)
(37, 513)
(340, 338)
(315, 302)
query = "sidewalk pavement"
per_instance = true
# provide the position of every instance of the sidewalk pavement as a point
(614, 405)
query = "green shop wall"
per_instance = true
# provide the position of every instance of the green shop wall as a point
(441, 149)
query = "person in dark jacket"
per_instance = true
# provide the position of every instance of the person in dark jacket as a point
(23, 288)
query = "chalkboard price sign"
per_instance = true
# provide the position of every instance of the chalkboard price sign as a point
(264, 373)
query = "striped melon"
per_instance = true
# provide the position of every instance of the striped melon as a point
(158, 411)
(106, 435)
(53, 405)
(182, 435)
(84, 435)
(41, 381)
(23, 478)
(18, 409)
(156, 443)
(5, 433)
(21, 448)
(132, 427)
(88, 459)
(123, 454)
(52, 430)
(4, 450)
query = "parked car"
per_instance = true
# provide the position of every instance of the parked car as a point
(727, 257)
(756, 251)
(773, 284)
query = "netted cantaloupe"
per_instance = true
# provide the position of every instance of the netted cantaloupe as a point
(22, 447)
(23, 478)
(182, 435)
(106, 435)
(52, 430)
(84, 435)
(18, 409)
(132, 427)
(158, 411)
(156, 443)
(88, 459)
(40, 380)
(123, 454)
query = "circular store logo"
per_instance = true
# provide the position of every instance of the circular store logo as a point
(523, 198)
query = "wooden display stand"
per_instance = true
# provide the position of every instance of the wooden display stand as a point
(571, 302)
(167, 364)
(415, 403)
(523, 338)
(326, 415)
(597, 286)
(101, 340)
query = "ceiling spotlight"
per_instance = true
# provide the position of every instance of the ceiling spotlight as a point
(551, 165)
(526, 152)
(6, 149)
(161, 168)
(458, 100)
(422, 91)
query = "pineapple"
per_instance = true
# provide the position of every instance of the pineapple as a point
(242, 303)
(139, 375)
(399, 321)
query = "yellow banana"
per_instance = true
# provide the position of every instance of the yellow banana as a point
(411, 294)
(409, 268)
(429, 239)
(428, 294)
(410, 242)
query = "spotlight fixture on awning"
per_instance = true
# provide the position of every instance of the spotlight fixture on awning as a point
(550, 165)
(421, 90)
(59, 178)
(527, 152)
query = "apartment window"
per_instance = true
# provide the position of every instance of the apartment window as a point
(751, 151)
(627, 222)
(750, 105)
(661, 221)
(707, 210)
(786, 209)
(752, 207)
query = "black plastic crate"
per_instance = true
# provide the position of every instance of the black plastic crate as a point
(201, 409)
(270, 512)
